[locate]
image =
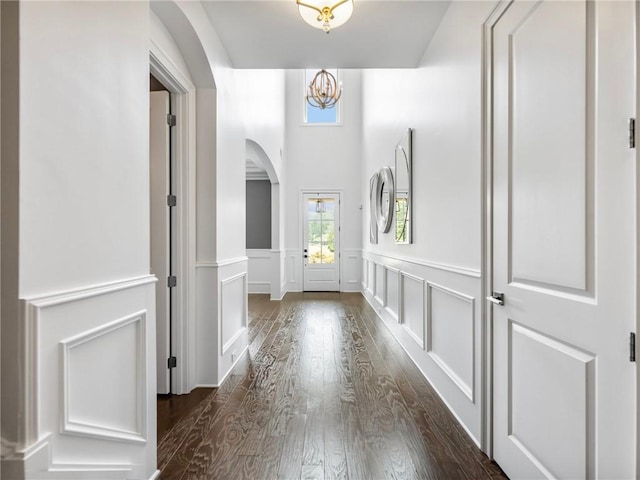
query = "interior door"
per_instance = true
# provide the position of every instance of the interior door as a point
(321, 242)
(159, 171)
(564, 240)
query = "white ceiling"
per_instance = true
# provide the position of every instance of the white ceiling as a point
(271, 34)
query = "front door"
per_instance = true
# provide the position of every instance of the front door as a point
(321, 249)
(564, 238)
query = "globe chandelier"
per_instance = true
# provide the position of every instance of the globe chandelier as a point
(320, 14)
(324, 90)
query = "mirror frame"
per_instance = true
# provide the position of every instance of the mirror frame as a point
(404, 148)
(373, 222)
(384, 214)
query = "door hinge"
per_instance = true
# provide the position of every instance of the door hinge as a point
(172, 362)
(632, 347)
(171, 120)
(632, 133)
(172, 281)
(172, 201)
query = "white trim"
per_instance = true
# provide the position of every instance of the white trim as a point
(486, 320)
(240, 276)
(31, 308)
(86, 429)
(467, 390)
(222, 263)
(82, 293)
(262, 288)
(468, 272)
(155, 475)
(401, 313)
(184, 95)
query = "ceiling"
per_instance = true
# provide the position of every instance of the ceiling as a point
(271, 34)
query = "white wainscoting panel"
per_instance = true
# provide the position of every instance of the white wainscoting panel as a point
(351, 267)
(365, 274)
(91, 382)
(114, 406)
(293, 268)
(451, 331)
(412, 307)
(563, 403)
(371, 277)
(431, 310)
(380, 285)
(392, 296)
(260, 271)
(221, 333)
(233, 295)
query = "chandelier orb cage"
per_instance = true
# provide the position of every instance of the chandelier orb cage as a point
(320, 14)
(324, 90)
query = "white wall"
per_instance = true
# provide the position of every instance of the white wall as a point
(324, 158)
(429, 292)
(262, 95)
(84, 243)
(91, 224)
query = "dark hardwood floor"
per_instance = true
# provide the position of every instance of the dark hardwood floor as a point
(324, 392)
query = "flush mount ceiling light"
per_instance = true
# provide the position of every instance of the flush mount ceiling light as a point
(324, 91)
(320, 14)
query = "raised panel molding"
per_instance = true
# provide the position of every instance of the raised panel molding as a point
(85, 411)
(365, 274)
(564, 402)
(233, 295)
(99, 332)
(412, 307)
(380, 285)
(392, 293)
(351, 267)
(260, 270)
(451, 335)
(552, 155)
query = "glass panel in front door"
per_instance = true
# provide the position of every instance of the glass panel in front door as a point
(321, 230)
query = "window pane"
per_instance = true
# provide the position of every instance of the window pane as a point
(315, 252)
(318, 115)
(328, 242)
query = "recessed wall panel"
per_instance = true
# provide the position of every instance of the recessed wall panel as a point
(552, 390)
(551, 151)
(105, 399)
(392, 281)
(451, 335)
(412, 309)
(380, 284)
(234, 315)
(372, 278)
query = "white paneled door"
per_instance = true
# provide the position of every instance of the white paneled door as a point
(159, 165)
(564, 240)
(321, 239)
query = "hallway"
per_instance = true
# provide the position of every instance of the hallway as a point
(324, 392)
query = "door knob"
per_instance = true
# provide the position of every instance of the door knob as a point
(497, 298)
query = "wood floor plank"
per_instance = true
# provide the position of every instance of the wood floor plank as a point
(324, 392)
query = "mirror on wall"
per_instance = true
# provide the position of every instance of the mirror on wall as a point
(403, 202)
(373, 224)
(384, 199)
